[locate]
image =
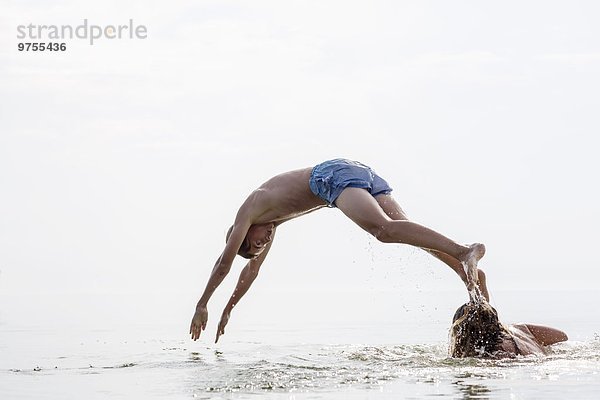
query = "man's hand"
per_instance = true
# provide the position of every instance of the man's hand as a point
(199, 322)
(222, 323)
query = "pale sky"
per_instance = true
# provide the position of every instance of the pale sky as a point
(122, 164)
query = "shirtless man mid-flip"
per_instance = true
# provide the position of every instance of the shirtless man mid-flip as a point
(354, 188)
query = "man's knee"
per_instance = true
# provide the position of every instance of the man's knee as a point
(383, 233)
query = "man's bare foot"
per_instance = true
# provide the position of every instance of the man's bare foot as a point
(469, 263)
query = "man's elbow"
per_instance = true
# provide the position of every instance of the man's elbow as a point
(563, 337)
(556, 336)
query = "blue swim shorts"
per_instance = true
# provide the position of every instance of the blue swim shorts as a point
(330, 178)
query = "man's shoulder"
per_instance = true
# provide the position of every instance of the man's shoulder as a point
(523, 328)
(255, 203)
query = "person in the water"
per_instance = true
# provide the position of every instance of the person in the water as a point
(476, 331)
(354, 188)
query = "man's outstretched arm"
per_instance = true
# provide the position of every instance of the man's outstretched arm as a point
(546, 335)
(247, 276)
(219, 272)
(200, 318)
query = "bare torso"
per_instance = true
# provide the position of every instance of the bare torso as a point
(281, 198)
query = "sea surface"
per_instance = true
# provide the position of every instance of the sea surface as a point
(326, 360)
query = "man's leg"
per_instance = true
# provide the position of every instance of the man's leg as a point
(364, 210)
(393, 210)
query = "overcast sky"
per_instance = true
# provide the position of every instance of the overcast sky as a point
(122, 164)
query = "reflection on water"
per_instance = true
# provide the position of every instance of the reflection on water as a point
(166, 368)
(472, 391)
(332, 368)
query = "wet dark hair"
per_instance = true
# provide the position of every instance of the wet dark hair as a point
(459, 312)
(244, 247)
(476, 331)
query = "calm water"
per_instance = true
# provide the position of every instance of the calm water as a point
(356, 361)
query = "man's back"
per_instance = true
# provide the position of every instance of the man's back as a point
(283, 197)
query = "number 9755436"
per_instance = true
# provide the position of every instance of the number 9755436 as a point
(50, 46)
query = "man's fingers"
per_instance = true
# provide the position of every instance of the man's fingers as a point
(195, 332)
(220, 331)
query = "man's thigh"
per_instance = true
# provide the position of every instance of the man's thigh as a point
(362, 208)
(391, 207)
